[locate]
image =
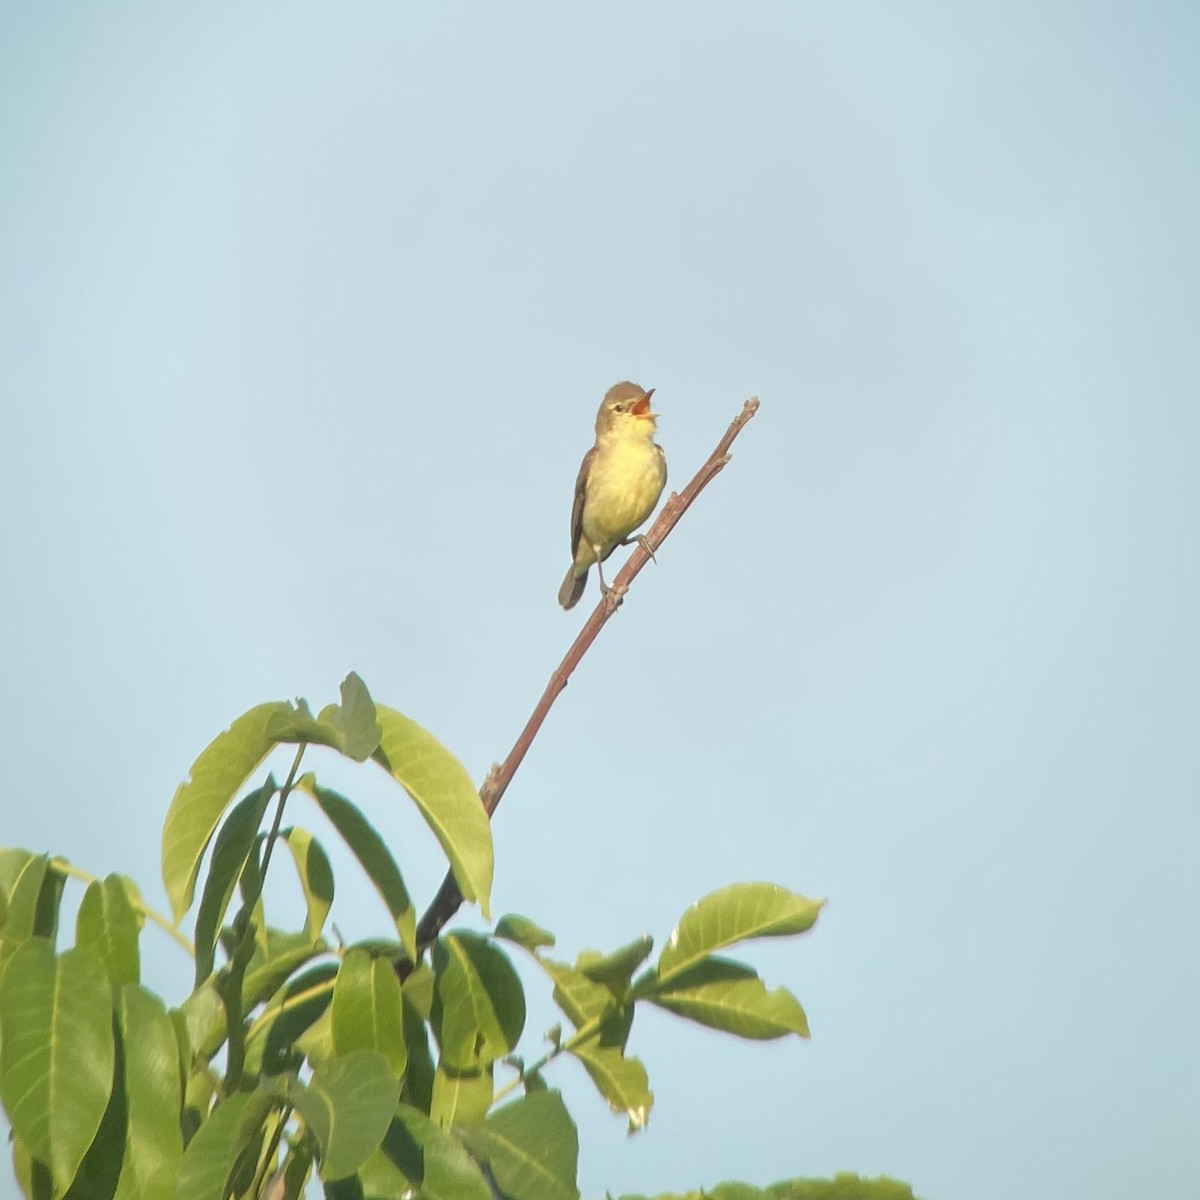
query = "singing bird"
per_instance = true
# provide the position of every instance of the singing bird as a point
(620, 481)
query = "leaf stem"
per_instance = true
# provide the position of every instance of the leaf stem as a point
(235, 973)
(588, 1029)
(288, 784)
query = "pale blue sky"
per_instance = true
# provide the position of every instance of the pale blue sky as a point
(305, 312)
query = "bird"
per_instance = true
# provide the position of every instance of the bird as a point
(620, 480)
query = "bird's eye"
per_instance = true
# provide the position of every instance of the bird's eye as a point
(618, 408)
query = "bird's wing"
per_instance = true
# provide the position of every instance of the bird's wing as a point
(580, 493)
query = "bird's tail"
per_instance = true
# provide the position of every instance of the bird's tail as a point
(572, 588)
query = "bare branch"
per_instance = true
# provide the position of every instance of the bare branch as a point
(446, 902)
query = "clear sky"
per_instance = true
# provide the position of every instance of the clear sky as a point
(305, 311)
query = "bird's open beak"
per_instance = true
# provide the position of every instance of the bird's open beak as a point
(642, 407)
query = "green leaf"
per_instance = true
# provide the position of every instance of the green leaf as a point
(316, 1042)
(205, 1011)
(252, 910)
(377, 1179)
(293, 1010)
(379, 947)
(183, 1041)
(99, 1173)
(56, 1052)
(433, 1159)
(199, 1093)
(374, 856)
(232, 849)
(418, 991)
(350, 728)
(479, 1006)
(33, 885)
(316, 877)
(297, 724)
(33, 1177)
(45, 920)
(108, 926)
(735, 914)
(461, 1097)
(621, 1080)
(153, 1094)
(443, 791)
(202, 1013)
(289, 952)
(21, 919)
(730, 996)
(354, 719)
(418, 1079)
(521, 930)
(531, 1147)
(219, 1152)
(196, 809)
(615, 970)
(580, 998)
(367, 1011)
(14, 864)
(348, 1106)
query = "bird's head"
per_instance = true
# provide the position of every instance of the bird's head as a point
(626, 410)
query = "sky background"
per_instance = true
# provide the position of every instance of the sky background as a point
(305, 312)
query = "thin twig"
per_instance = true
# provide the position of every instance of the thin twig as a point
(445, 903)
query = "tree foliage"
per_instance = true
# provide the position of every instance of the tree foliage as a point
(385, 1068)
(842, 1186)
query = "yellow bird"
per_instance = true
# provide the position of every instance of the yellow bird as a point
(620, 481)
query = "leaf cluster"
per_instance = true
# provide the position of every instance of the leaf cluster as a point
(386, 1068)
(843, 1186)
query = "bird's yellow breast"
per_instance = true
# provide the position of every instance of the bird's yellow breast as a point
(625, 481)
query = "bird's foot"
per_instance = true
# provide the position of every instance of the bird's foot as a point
(643, 541)
(613, 596)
